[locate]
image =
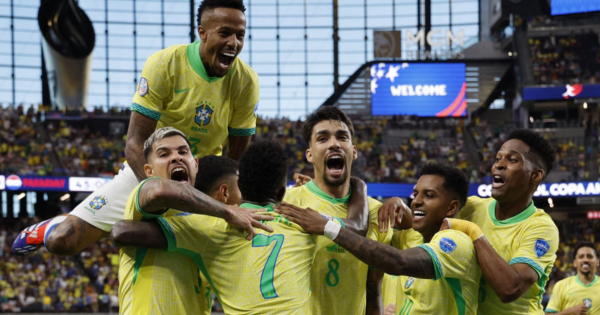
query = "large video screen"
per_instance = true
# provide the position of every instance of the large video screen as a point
(559, 7)
(422, 89)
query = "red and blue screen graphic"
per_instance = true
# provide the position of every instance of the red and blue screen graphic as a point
(422, 89)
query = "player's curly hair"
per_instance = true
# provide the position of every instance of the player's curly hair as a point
(543, 155)
(263, 171)
(212, 169)
(585, 244)
(325, 113)
(213, 4)
(455, 180)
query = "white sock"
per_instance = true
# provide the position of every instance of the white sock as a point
(52, 224)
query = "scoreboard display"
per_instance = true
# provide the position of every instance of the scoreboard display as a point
(422, 89)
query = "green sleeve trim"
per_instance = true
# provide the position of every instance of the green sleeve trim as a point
(166, 228)
(436, 262)
(530, 262)
(340, 221)
(551, 311)
(145, 214)
(140, 254)
(459, 299)
(241, 132)
(145, 111)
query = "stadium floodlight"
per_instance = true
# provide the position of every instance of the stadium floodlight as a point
(584, 105)
(65, 197)
(21, 195)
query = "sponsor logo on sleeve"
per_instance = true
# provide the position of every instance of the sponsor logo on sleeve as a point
(143, 87)
(541, 247)
(447, 245)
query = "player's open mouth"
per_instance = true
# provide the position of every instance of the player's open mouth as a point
(498, 181)
(418, 215)
(179, 174)
(226, 59)
(335, 164)
(585, 266)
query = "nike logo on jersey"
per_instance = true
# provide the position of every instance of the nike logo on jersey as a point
(179, 91)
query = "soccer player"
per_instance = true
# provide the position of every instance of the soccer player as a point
(146, 276)
(338, 280)
(439, 269)
(202, 89)
(518, 250)
(269, 275)
(579, 294)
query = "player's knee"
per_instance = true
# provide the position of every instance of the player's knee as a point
(61, 243)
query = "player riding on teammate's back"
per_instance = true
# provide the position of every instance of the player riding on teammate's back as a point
(202, 89)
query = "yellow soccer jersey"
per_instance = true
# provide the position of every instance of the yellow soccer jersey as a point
(529, 238)
(268, 275)
(454, 290)
(156, 281)
(176, 91)
(338, 279)
(571, 292)
(388, 290)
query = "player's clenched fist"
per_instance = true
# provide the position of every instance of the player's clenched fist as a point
(247, 219)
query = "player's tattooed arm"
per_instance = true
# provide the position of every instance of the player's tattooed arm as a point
(140, 129)
(139, 234)
(414, 262)
(237, 146)
(357, 220)
(157, 194)
(374, 299)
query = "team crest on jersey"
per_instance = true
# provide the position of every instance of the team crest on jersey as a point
(143, 87)
(541, 247)
(447, 244)
(182, 214)
(98, 202)
(203, 114)
(409, 282)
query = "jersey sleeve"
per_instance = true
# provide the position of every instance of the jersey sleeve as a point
(452, 253)
(243, 120)
(538, 247)
(153, 89)
(373, 232)
(555, 304)
(136, 196)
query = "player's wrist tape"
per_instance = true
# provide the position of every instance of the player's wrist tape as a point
(332, 229)
(469, 228)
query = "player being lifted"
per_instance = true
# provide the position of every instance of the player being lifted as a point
(270, 275)
(146, 277)
(202, 89)
(439, 269)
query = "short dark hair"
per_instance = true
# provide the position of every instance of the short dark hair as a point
(263, 171)
(211, 169)
(585, 244)
(543, 153)
(325, 113)
(455, 180)
(161, 133)
(207, 5)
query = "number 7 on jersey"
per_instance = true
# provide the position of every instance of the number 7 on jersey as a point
(266, 279)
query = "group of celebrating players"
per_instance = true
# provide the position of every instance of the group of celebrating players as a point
(322, 247)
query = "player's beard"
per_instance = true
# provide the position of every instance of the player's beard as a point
(334, 182)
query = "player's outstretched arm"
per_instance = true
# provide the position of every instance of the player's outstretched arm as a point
(139, 234)
(414, 262)
(237, 146)
(580, 309)
(397, 213)
(357, 220)
(157, 194)
(140, 129)
(374, 298)
(509, 282)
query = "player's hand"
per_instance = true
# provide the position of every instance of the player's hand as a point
(301, 180)
(310, 220)
(247, 219)
(469, 228)
(392, 211)
(390, 309)
(580, 309)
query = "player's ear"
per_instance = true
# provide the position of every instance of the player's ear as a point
(453, 208)
(201, 33)
(224, 193)
(148, 170)
(354, 153)
(537, 175)
(309, 156)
